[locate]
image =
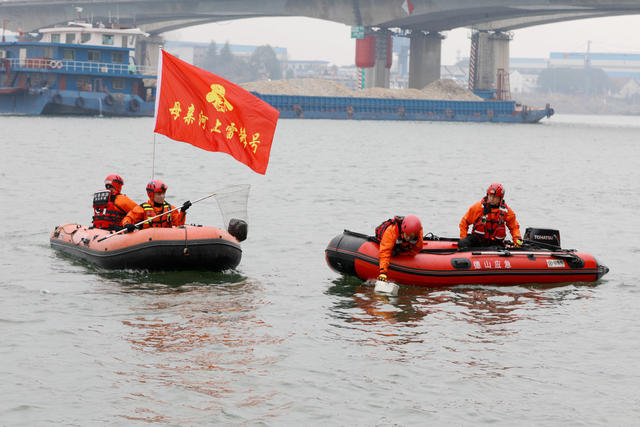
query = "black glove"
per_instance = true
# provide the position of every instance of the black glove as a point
(130, 228)
(186, 205)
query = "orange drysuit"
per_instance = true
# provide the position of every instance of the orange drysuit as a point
(391, 244)
(149, 209)
(476, 212)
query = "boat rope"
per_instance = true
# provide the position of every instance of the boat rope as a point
(185, 251)
(76, 227)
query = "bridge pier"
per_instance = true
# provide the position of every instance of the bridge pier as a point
(425, 54)
(489, 53)
(379, 74)
(147, 50)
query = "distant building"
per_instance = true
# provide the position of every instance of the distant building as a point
(307, 69)
(192, 52)
(400, 52)
(613, 64)
(348, 76)
(522, 83)
(627, 87)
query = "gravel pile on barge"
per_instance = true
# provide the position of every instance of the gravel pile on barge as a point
(444, 89)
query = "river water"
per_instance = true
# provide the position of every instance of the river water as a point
(283, 340)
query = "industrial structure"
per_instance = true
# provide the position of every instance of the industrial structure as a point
(375, 23)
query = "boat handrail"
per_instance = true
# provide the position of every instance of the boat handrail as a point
(67, 65)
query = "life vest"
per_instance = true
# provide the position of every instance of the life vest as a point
(161, 221)
(491, 224)
(106, 213)
(396, 220)
(401, 245)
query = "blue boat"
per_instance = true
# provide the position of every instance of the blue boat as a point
(354, 108)
(77, 69)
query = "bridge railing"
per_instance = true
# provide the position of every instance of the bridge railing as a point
(71, 66)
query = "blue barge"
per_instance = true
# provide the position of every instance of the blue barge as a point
(354, 108)
(78, 69)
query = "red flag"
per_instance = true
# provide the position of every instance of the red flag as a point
(205, 110)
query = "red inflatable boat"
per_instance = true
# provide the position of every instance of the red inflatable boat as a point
(442, 264)
(180, 248)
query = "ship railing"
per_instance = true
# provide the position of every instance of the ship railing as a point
(72, 66)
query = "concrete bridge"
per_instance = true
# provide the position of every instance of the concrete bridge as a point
(491, 20)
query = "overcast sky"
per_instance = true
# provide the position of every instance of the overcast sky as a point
(307, 38)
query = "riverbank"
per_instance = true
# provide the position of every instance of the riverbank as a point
(577, 104)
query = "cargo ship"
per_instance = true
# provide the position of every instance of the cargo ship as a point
(354, 108)
(76, 69)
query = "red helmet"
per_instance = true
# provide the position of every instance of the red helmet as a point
(497, 189)
(411, 225)
(114, 181)
(156, 186)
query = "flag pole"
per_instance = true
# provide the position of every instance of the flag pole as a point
(153, 162)
(155, 114)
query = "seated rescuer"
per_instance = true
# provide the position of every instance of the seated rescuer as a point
(488, 218)
(110, 206)
(398, 236)
(156, 205)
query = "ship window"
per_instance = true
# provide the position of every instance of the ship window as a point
(47, 52)
(68, 54)
(85, 37)
(83, 83)
(70, 38)
(55, 38)
(93, 56)
(107, 39)
(118, 57)
(118, 83)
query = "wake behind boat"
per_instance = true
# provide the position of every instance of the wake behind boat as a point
(442, 264)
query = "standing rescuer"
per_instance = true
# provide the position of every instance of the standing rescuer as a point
(156, 205)
(110, 206)
(398, 236)
(489, 217)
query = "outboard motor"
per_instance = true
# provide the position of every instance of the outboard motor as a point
(238, 229)
(545, 236)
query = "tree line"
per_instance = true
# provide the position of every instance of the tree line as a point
(591, 81)
(260, 65)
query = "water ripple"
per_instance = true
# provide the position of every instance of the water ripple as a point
(283, 340)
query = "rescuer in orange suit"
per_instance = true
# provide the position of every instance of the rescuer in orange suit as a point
(156, 205)
(110, 206)
(489, 217)
(398, 236)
